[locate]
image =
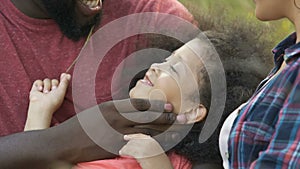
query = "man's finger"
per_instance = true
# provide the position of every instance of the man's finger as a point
(164, 118)
(150, 117)
(150, 105)
(134, 105)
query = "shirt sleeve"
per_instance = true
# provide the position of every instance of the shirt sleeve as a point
(283, 150)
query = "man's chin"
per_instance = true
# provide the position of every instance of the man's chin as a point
(64, 13)
(76, 32)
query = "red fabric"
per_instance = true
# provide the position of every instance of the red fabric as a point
(35, 49)
(178, 162)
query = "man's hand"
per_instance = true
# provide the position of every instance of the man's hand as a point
(107, 123)
(96, 133)
(124, 115)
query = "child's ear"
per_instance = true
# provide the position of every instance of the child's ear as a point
(196, 114)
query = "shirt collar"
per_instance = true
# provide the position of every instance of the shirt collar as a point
(286, 48)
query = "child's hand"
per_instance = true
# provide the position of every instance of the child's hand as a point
(45, 98)
(146, 150)
(49, 94)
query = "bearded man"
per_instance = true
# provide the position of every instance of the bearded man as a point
(42, 38)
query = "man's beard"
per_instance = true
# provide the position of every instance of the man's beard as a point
(63, 12)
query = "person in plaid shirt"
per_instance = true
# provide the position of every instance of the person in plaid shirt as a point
(266, 132)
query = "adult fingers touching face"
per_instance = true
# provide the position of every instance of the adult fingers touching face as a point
(151, 105)
(144, 111)
(163, 119)
(150, 117)
(113, 113)
(114, 125)
(134, 105)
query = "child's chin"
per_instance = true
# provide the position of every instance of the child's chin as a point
(133, 94)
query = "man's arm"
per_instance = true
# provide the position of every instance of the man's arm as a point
(70, 142)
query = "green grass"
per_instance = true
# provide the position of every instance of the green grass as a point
(243, 9)
(236, 6)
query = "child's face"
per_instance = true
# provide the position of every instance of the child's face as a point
(174, 80)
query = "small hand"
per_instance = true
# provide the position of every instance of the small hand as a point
(45, 98)
(49, 94)
(141, 146)
(146, 150)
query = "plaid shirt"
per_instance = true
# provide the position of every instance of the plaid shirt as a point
(266, 134)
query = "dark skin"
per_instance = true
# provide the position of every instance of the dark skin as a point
(42, 148)
(31, 8)
(68, 142)
(67, 13)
